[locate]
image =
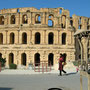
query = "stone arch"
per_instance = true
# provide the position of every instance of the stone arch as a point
(50, 38)
(37, 18)
(11, 58)
(12, 38)
(1, 20)
(51, 16)
(1, 38)
(50, 59)
(25, 19)
(37, 59)
(12, 19)
(63, 21)
(0, 55)
(50, 23)
(37, 38)
(23, 59)
(71, 22)
(63, 38)
(24, 38)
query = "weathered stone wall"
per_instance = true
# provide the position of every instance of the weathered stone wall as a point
(31, 21)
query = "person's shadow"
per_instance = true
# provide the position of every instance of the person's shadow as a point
(54, 89)
(71, 73)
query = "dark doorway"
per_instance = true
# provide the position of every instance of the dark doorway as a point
(37, 59)
(50, 38)
(12, 38)
(64, 38)
(24, 38)
(0, 55)
(37, 38)
(23, 59)
(11, 58)
(50, 59)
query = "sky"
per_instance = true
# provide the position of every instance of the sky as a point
(78, 7)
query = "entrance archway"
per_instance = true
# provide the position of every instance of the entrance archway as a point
(37, 59)
(11, 58)
(23, 59)
(50, 59)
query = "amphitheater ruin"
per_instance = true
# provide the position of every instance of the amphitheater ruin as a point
(30, 35)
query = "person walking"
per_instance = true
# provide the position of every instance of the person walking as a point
(61, 64)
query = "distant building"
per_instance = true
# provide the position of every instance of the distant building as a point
(31, 35)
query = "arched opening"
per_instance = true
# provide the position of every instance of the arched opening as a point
(12, 36)
(88, 27)
(13, 19)
(18, 10)
(37, 59)
(1, 38)
(24, 38)
(79, 20)
(25, 19)
(60, 11)
(80, 27)
(50, 59)
(11, 58)
(37, 19)
(63, 21)
(0, 55)
(71, 22)
(50, 23)
(50, 38)
(64, 38)
(37, 38)
(64, 56)
(2, 20)
(51, 16)
(23, 59)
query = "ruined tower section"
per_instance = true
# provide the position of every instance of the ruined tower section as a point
(30, 35)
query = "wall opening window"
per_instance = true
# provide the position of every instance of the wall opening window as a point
(1, 38)
(12, 36)
(88, 27)
(50, 23)
(25, 19)
(24, 38)
(60, 11)
(37, 19)
(63, 21)
(80, 27)
(71, 22)
(11, 58)
(18, 10)
(37, 38)
(13, 19)
(50, 38)
(50, 59)
(63, 38)
(37, 59)
(79, 20)
(1, 20)
(23, 59)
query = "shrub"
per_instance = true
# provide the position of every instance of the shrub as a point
(76, 63)
(3, 61)
(13, 66)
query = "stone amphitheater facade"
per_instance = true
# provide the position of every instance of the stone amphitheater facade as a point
(30, 35)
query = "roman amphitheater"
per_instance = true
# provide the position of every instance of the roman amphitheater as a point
(30, 35)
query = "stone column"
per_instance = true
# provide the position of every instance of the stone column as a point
(81, 83)
(84, 41)
(43, 18)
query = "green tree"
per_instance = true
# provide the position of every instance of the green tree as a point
(3, 61)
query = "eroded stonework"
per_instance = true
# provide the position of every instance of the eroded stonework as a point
(29, 35)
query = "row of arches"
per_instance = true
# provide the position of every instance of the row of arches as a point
(36, 59)
(37, 20)
(37, 38)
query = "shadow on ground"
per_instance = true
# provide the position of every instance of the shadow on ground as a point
(71, 73)
(54, 89)
(1, 88)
